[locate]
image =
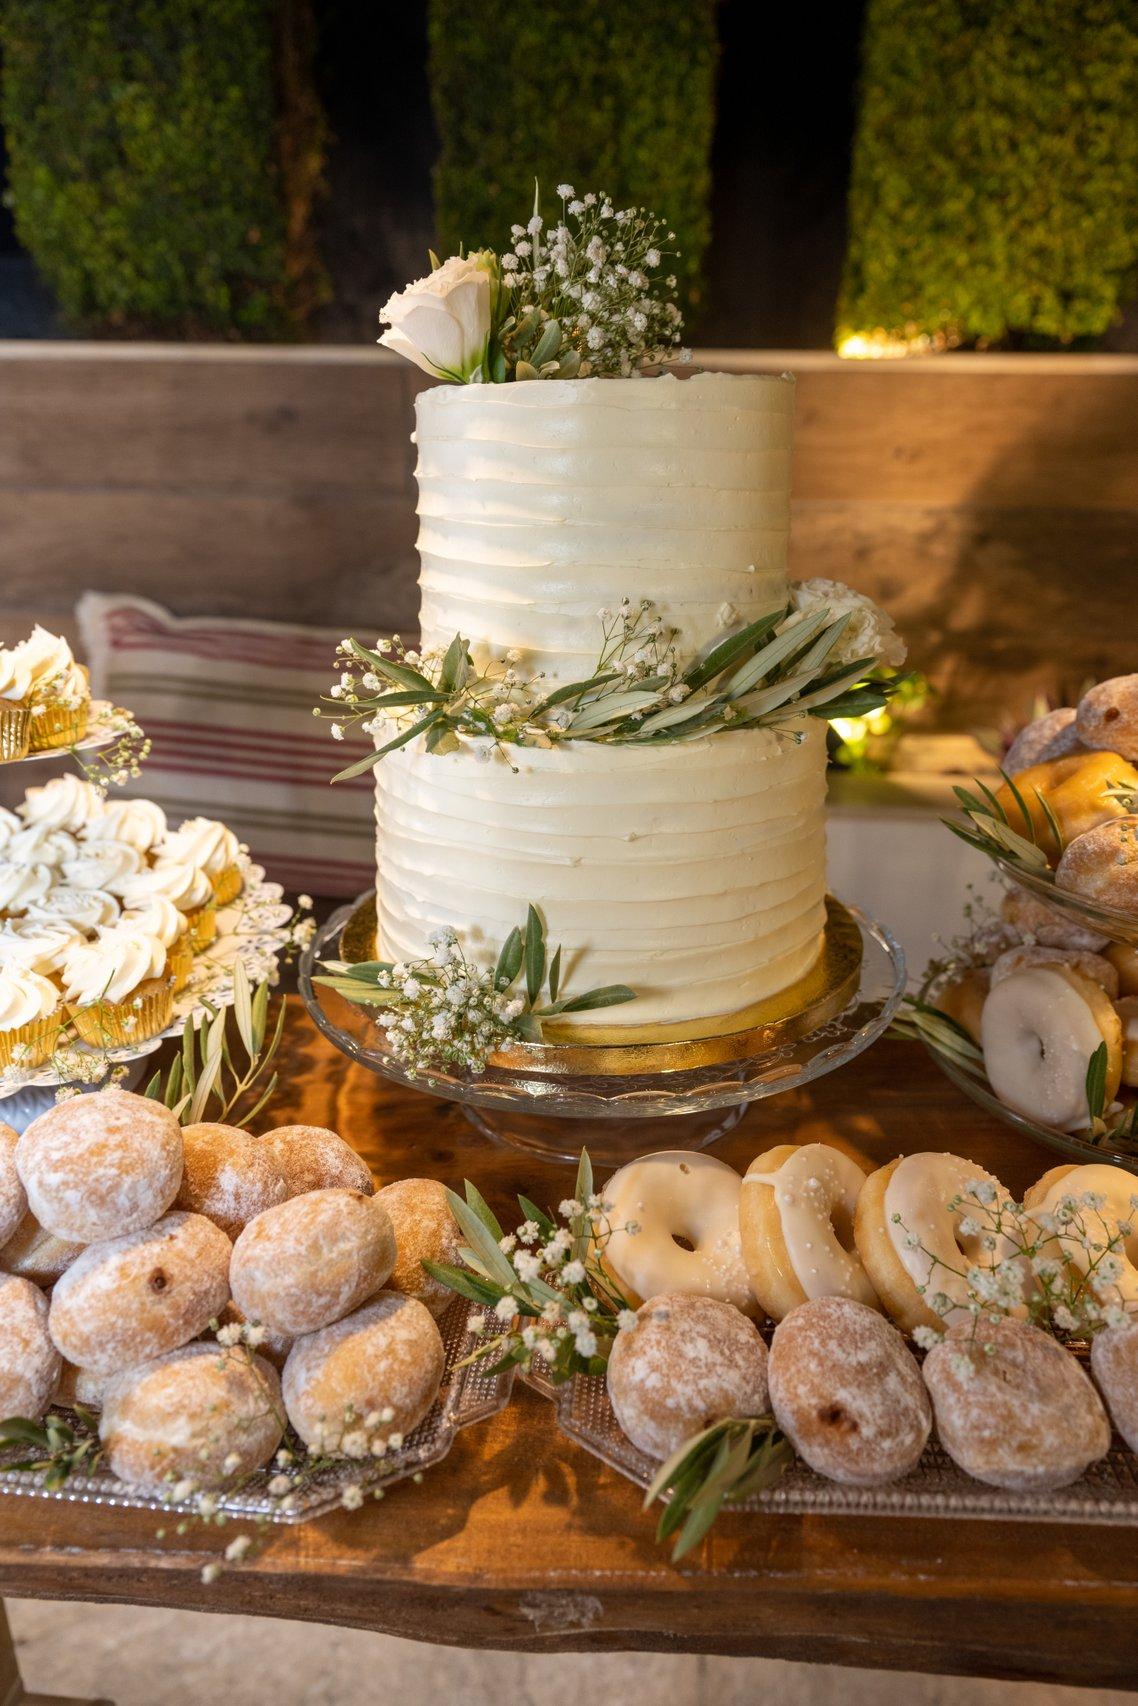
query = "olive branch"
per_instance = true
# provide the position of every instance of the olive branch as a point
(722, 1465)
(52, 1448)
(207, 1070)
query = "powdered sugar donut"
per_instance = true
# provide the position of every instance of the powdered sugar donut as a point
(202, 1414)
(847, 1393)
(920, 1225)
(129, 1299)
(670, 1196)
(13, 1198)
(37, 1255)
(29, 1362)
(1107, 717)
(1036, 922)
(1096, 967)
(229, 1176)
(366, 1379)
(312, 1158)
(80, 1387)
(424, 1227)
(1013, 1408)
(100, 1165)
(1054, 735)
(1102, 865)
(688, 1362)
(304, 1264)
(1127, 1010)
(1114, 1364)
(796, 1223)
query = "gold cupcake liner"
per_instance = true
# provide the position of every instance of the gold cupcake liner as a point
(227, 885)
(180, 960)
(202, 924)
(32, 1044)
(134, 1019)
(57, 725)
(15, 732)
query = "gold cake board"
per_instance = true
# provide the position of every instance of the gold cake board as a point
(628, 1050)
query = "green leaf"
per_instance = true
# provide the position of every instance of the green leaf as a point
(243, 1006)
(455, 666)
(611, 707)
(482, 1242)
(555, 973)
(534, 953)
(736, 646)
(775, 652)
(1096, 1082)
(373, 758)
(509, 960)
(611, 995)
(442, 739)
(573, 690)
(530, 1211)
(463, 1282)
(482, 1209)
(400, 673)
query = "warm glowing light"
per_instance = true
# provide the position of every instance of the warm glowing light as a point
(872, 346)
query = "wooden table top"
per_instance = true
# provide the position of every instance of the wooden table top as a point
(521, 1540)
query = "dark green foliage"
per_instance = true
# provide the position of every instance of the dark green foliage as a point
(164, 155)
(604, 94)
(994, 195)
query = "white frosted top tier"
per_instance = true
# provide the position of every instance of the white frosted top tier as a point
(542, 502)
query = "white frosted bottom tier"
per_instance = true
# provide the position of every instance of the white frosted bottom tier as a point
(695, 873)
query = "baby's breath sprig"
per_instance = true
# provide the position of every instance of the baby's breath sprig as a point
(120, 762)
(446, 1010)
(546, 1282)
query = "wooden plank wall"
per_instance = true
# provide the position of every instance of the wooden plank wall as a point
(991, 502)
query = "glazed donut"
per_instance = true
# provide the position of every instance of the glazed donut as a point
(312, 1158)
(672, 1196)
(203, 1413)
(101, 1165)
(13, 1198)
(302, 1265)
(29, 1362)
(424, 1227)
(847, 1393)
(688, 1362)
(1102, 865)
(1118, 1190)
(911, 1198)
(1107, 717)
(229, 1176)
(1123, 956)
(1096, 967)
(1054, 735)
(1127, 1010)
(796, 1219)
(1114, 1364)
(1040, 1028)
(962, 998)
(385, 1361)
(1079, 791)
(1035, 921)
(1013, 1408)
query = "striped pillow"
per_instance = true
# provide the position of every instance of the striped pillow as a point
(228, 707)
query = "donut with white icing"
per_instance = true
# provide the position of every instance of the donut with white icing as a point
(796, 1224)
(1013, 1408)
(1040, 1028)
(915, 1236)
(1107, 717)
(847, 1393)
(1062, 1192)
(685, 1208)
(687, 1362)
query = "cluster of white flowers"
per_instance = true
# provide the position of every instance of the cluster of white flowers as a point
(597, 274)
(445, 1010)
(871, 632)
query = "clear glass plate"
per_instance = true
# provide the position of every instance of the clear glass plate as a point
(105, 723)
(467, 1395)
(617, 1117)
(1106, 1494)
(1108, 921)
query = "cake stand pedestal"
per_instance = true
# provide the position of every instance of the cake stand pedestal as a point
(622, 1098)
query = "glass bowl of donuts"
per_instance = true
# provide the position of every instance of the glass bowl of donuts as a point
(172, 1337)
(902, 1339)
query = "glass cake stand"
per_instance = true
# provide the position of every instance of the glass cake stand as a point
(622, 1098)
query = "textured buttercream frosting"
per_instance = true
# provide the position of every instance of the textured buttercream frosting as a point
(692, 871)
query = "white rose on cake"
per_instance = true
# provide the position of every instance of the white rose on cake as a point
(871, 632)
(443, 322)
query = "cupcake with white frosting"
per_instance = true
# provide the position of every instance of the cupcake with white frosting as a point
(204, 842)
(102, 865)
(66, 802)
(117, 988)
(160, 917)
(15, 712)
(87, 909)
(59, 697)
(40, 944)
(136, 823)
(36, 844)
(30, 1017)
(21, 885)
(190, 890)
(10, 825)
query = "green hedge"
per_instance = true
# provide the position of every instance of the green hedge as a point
(606, 94)
(164, 155)
(994, 192)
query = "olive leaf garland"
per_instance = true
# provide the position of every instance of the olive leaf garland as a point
(722, 1465)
